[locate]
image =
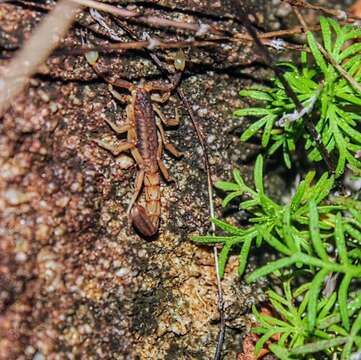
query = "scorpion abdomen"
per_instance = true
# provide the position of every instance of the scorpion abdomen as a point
(145, 126)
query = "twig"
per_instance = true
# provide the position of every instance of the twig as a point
(220, 301)
(339, 68)
(269, 60)
(107, 8)
(200, 136)
(153, 43)
(156, 43)
(300, 18)
(150, 44)
(199, 29)
(35, 51)
(274, 34)
(340, 14)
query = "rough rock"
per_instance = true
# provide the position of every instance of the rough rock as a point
(76, 282)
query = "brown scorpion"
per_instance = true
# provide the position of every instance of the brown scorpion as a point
(145, 143)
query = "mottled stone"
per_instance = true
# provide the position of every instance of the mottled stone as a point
(76, 282)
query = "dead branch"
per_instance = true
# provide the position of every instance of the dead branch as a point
(35, 51)
(150, 44)
(199, 29)
(339, 14)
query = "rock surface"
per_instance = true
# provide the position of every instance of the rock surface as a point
(76, 282)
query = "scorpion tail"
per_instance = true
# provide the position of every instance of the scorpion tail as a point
(147, 225)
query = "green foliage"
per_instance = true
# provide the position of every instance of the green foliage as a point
(292, 325)
(313, 233)
(322, 90)
(316, 237)
(286, 228)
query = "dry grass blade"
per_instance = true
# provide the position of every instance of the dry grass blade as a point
(107, 8)
(35, 51)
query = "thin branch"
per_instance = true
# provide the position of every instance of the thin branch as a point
(339, 14)
(339, 68)
(116, 11)
(300, 18)
(220, 300)
(274, 34)
(199, 29)
(35, 51)
(156, 43)
(150, 44)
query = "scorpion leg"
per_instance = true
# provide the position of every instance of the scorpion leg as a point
(167, 122)
(161, 98)
(115, 149)
(92, 58)
(170, 147)
(159, 86)
(137, 189)
(135, 152)
(140, 176)
(161, 165)
(120, 97)
(118, 129)
(118, 83)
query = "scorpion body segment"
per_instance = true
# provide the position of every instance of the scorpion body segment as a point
(145, 127)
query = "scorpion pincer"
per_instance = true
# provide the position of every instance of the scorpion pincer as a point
(145, 140)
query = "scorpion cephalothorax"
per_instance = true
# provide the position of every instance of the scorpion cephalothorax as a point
(145, 140)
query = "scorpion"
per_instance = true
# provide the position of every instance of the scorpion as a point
(145, 140)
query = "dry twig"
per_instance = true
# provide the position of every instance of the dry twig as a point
(152, 43)
(199, 29)
(339, 68)
(35, 51)
(220, 300)
(339, 14)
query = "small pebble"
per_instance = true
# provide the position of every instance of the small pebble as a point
(15, 197)
(124, 161)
